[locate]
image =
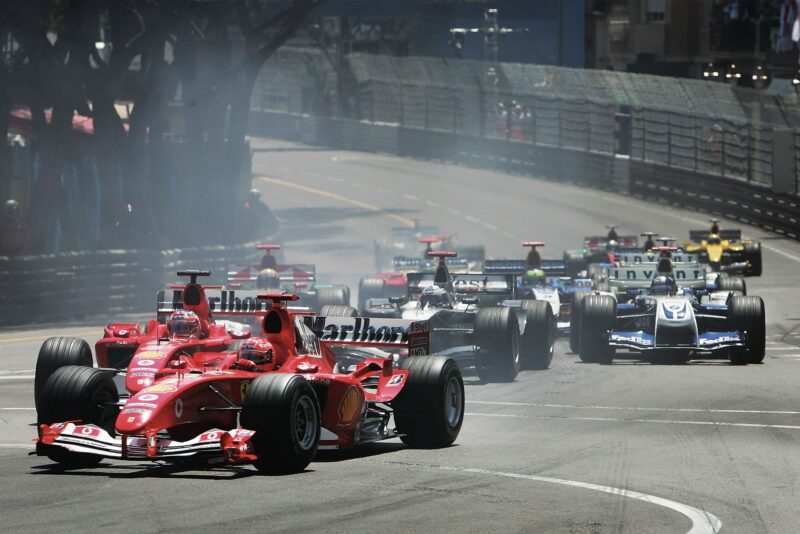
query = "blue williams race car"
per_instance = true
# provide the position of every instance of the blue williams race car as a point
(665, 320)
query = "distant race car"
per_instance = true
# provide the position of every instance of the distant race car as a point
(298, 278)
(273, 406)
(599, 249)
(725, 251)
(394, 283)
(676, 322)
(475, 319)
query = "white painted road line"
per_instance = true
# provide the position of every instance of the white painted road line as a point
(635, 408)
(18, 377)
(17, 409)
(19, 371)
(30, 446)
(702, 522)
(623, 420)
(781, 252)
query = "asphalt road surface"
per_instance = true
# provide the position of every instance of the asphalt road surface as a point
(579, 448)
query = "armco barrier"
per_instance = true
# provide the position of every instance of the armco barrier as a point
(751, 202)
(73, 285)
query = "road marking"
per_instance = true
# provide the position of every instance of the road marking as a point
(410, 197)
(41, 337)
(490, 226)
(334, 179)
(636, 408)
(453, 211)
(702, 522)
(16, 446)
(364, 205)
(388, 191)
(18, 377)
(470, 218)
(782, 253)
(432, 204)
(16, 409)
(623, 420)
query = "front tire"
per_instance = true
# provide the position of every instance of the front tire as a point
(752, 254)
(77, 393)
(598, 315)
(746, 314)
(429, 410)
(733, 283)
(538, 339)
(331, 310)
(575, 323)
(576, 263)
(57, 352)
(284, 412)
(497, 338)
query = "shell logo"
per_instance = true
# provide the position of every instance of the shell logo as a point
(350, 406)
(160, 388)
(151, 354)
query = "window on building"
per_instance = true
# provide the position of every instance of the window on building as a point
(654, 11)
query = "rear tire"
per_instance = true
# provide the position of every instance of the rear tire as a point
(538, 339)
(497, 336)
(576, 263)
(598, 315)
(77, 393)
(752, 254)
(575, 323)
(57, 352)
(733, 283)
(331, 310)
(429, 410)
(747, 315)
(284, 412)
(370, 288)
(332, 295)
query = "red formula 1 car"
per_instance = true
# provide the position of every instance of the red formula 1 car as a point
(274, 411)
(141, 352)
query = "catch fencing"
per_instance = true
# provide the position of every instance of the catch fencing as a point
(644, 133)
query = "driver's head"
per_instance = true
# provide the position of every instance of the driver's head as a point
(611, 245)
(534, 278)
(256, 349)
(434, 296)
(183, 324)
(663, 285)
(714, 239)
(268, 279)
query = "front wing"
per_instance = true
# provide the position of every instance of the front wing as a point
(704, 342)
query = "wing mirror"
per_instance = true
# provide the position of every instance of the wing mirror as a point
(470, 301)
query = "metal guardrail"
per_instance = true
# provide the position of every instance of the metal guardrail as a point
(74, 285)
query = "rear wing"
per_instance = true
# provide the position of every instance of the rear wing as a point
(221, 302)
(598, 241)
(646, 257)
(640, 276)
(727, 235)
(406, 263)
(517, 267)
(369, 332)
(472, 253)
(466, 283)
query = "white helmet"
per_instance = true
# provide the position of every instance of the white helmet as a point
(434, 296)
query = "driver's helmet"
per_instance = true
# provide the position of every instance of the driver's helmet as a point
(714, 239)
(664, 285)
(434, 296)
(256, 349)
(268, 279)
(183, 323)
(534, 278)
(611, 245)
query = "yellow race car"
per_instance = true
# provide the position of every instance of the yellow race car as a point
(725, 251)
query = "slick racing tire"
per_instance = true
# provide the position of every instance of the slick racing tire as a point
(538, 338)
(497, 336)
(332, 295)
(284, 412)
(57, 352)
(598, 315)
(733, 283)
(746, 314)
(575, 323)
(429, 410)
(576, 263)
(346, 290)
(370, 288)
(331, 310)
(78, 393)
(752, 254)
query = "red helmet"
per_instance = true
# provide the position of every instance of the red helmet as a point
(184, 323)
(256, 349)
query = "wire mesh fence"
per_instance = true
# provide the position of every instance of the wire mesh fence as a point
(688, 124)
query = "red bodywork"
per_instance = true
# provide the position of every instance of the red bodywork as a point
(196, 395)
